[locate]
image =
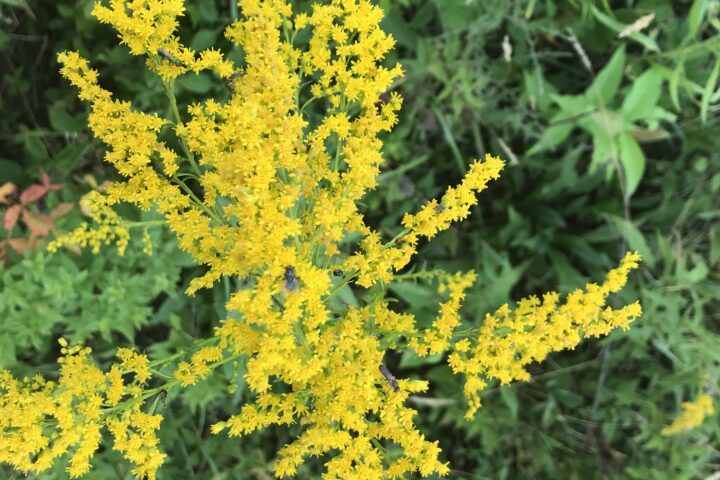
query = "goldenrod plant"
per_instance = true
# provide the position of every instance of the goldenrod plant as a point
(262, 191)
(693, 414)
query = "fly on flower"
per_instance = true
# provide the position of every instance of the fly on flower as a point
(389, 377)
(230, 83)
(166, 55)
(291, 279)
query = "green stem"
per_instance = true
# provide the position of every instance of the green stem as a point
(147, 223)
(427, 274)
(197, 201)
(170, 92)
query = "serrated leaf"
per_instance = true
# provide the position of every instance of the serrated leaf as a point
(607, 82)
(632, 160)
(643, 96)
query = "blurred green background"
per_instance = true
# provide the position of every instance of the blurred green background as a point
(612, 141)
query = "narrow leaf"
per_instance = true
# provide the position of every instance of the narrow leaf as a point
(551, 137)
(61, 210)
(643, 96)
(635, 239)
(11, 217)
(632, 160)
(708, 91)
(696, 16)
(47, 182)
(33, 193)
(607, 82)
(674, 84)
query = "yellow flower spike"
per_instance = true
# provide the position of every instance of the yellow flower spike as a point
(258, 192)
(692, 416)
(508, 340)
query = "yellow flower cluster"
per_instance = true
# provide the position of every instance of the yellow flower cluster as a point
(437, 338)
(42, 420)
(190, 372)
(508, 340)
(265, 187)
(110, 230)
(693, 415)
(455, 204)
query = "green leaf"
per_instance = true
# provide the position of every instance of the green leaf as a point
(416, 295)
(509, 398)
(572, 106)
(552, 137)
(410, 359)
(708, 90)
(204, 39)
(200, 83)
(632, 160)
(450, 138)
(696, 16)
(62, 121)
(643, 96)
(607, 82)
(674, 84)
(635, 238)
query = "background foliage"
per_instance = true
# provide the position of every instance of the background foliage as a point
(612, 142)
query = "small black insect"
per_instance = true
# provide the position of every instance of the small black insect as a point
(230, 83)
(291, 279)
(439, 208)
(165, 54)
(389, 377)
(337, 272)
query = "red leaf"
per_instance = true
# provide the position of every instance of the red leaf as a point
(39, 225)
(61, 210)
(7, 189)
(20, 245)
(33, 193)
(11, 217)
(45, 178)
